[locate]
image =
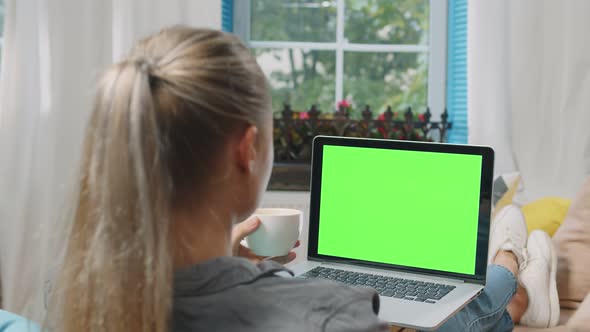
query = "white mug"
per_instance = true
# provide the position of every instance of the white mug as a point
(277, 233)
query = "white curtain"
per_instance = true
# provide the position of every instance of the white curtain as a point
(53, 51)
(529, 90)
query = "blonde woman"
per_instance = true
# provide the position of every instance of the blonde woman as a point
(178, 151)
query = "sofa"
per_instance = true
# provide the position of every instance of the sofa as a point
(572, 243)
(570, 320)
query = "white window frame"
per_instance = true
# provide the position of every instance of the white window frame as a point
(436, 49)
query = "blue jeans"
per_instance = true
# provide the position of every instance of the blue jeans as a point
(488, 311)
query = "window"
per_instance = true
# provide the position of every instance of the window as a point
(375, 52)
(398, 53)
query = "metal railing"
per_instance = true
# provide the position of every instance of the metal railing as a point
(294, 133)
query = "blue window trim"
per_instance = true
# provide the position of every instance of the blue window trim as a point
(457, 70)
(227, 15)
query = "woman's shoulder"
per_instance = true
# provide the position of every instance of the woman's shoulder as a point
(265, 300)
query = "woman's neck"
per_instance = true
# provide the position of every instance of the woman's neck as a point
(200, 235)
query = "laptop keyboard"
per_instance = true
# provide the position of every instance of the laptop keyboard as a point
(406, 289)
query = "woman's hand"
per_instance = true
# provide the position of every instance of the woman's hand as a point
(245, 228)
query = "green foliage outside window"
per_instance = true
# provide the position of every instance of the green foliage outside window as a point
(303, 77)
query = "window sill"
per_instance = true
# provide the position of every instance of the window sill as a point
(290, 177)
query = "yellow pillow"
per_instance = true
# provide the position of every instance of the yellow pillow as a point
(546, 214)
(507, 197)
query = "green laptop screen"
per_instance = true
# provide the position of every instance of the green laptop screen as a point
(408, 208)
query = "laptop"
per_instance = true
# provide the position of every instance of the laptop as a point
(409, 219)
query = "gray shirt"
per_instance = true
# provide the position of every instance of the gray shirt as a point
(232, 294)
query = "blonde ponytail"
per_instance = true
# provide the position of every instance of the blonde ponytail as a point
(119, 252)
(159, 117)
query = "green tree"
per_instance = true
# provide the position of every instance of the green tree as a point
(307, 77)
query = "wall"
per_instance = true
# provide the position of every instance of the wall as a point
(529, 77)
(207, 13)
(133, 19)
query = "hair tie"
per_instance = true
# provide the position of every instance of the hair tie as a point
(145, 64)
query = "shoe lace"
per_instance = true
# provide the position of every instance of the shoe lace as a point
(514, 239)
(525, 259)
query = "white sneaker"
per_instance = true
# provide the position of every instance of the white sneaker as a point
(538, 278)
(508, 231)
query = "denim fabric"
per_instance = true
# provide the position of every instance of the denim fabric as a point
(488, 311)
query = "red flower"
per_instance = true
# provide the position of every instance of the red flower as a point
(383, 132)
(421, 117)
(343, 104)
(303, 115)
(381, 117)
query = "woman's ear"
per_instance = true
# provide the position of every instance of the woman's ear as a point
(247, 149)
